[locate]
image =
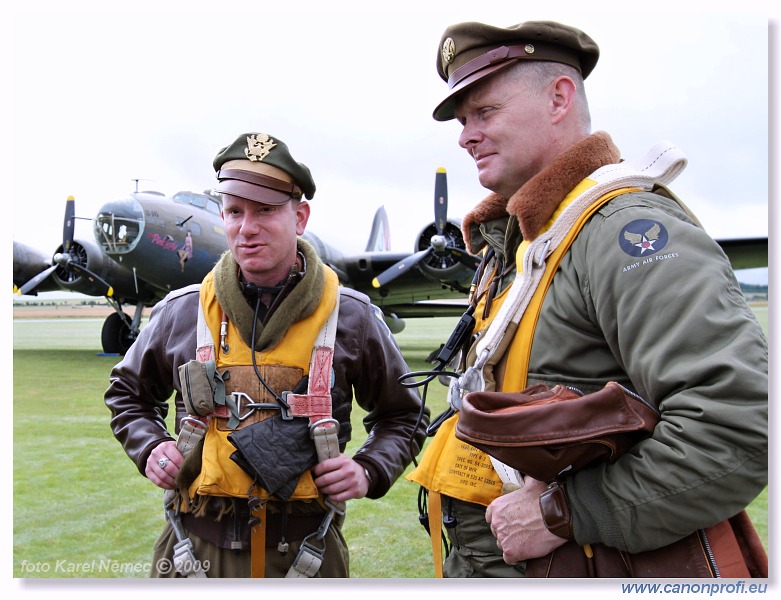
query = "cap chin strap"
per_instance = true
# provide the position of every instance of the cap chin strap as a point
(258, 179)
(495, 56)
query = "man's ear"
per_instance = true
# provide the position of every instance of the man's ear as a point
(562, 96)
(302, 216)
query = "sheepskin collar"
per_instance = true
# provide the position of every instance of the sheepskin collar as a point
(537, 200)
(298, 304)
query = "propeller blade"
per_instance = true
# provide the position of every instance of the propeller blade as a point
(35, 281)
(400, 268)
(466, 259)
(84, 270)
(69, 223)
(440, 200)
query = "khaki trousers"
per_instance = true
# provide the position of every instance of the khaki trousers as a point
(225, 563)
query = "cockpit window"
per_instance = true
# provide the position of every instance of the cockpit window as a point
(117, 235)
(212, 204)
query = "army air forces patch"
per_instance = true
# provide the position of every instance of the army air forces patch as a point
(643, 238)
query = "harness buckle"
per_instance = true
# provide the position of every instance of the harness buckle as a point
(285, 410)
(323, 422)
(245, 402)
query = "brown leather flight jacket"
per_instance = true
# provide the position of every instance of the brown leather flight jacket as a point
(367, 364)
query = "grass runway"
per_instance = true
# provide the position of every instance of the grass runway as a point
(82, 510)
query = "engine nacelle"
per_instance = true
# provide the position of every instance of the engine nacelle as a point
(85, 253)
(442, 265)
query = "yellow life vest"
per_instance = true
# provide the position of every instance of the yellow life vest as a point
(282, 367)
(455, 468)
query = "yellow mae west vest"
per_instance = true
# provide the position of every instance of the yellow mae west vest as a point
(455, 468)
(282, 367)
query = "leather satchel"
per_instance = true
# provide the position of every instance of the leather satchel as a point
(551, 433)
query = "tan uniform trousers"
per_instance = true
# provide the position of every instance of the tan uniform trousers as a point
(225, 563)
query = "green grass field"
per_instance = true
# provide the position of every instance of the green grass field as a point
(81, 509)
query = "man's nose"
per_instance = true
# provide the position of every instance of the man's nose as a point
(249, 225)
(468, 139)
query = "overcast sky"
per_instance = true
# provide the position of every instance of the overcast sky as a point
(102, 98)
(92, 100)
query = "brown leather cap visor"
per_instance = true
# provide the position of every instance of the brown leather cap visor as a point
(256, 187)
(495, 59)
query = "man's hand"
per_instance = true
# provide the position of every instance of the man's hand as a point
(341, 478)
(516, 522)
(164, 477)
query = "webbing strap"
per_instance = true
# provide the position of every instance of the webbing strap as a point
(324, 430)
(525, 331)
(307, 563)
(435, 524)
(190, 433)
(316, 403)
(258, 543)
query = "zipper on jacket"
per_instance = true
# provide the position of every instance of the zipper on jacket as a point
(709, 553)
(640, 399)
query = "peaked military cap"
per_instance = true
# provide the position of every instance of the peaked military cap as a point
(259, 167)
(470, 51)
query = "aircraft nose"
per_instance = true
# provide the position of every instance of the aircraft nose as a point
(119, 226)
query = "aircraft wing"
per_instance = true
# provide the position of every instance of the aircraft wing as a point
(745, 253)
(28, 264)
(147, 245)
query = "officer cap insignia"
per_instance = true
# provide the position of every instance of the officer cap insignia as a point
(258, 147)
(448, 51)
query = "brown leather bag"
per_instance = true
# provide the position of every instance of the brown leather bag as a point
(550, 433)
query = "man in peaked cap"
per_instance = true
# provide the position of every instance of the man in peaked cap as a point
(593, 272)
(263, 358)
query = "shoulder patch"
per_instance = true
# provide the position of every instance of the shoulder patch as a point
(643, 237)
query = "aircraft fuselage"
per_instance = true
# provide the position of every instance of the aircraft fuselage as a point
(173, 241)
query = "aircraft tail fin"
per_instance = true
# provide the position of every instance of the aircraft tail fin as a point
(379, 238)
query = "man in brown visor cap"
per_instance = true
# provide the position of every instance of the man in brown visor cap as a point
(593, 274)
(263, 358)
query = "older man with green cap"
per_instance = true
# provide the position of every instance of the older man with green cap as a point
(594, 274)
(262, 360)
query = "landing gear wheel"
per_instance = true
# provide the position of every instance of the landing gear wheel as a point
(115, 337)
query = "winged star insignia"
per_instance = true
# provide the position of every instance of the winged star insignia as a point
(643, 237)
(644, 241)
(258, 147)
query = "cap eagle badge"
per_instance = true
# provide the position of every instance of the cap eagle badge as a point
(448, 51)
(258, 147)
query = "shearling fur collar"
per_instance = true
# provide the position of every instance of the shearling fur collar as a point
(536, 201)
(300, 303)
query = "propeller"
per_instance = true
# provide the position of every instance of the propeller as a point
(69, 258)
(438, 243)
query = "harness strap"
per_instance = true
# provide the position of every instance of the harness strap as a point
(191, 432)
(316, 405)
(540, 259)
(324, 431)
(661, 164)
(435, 523)
(258, 542)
